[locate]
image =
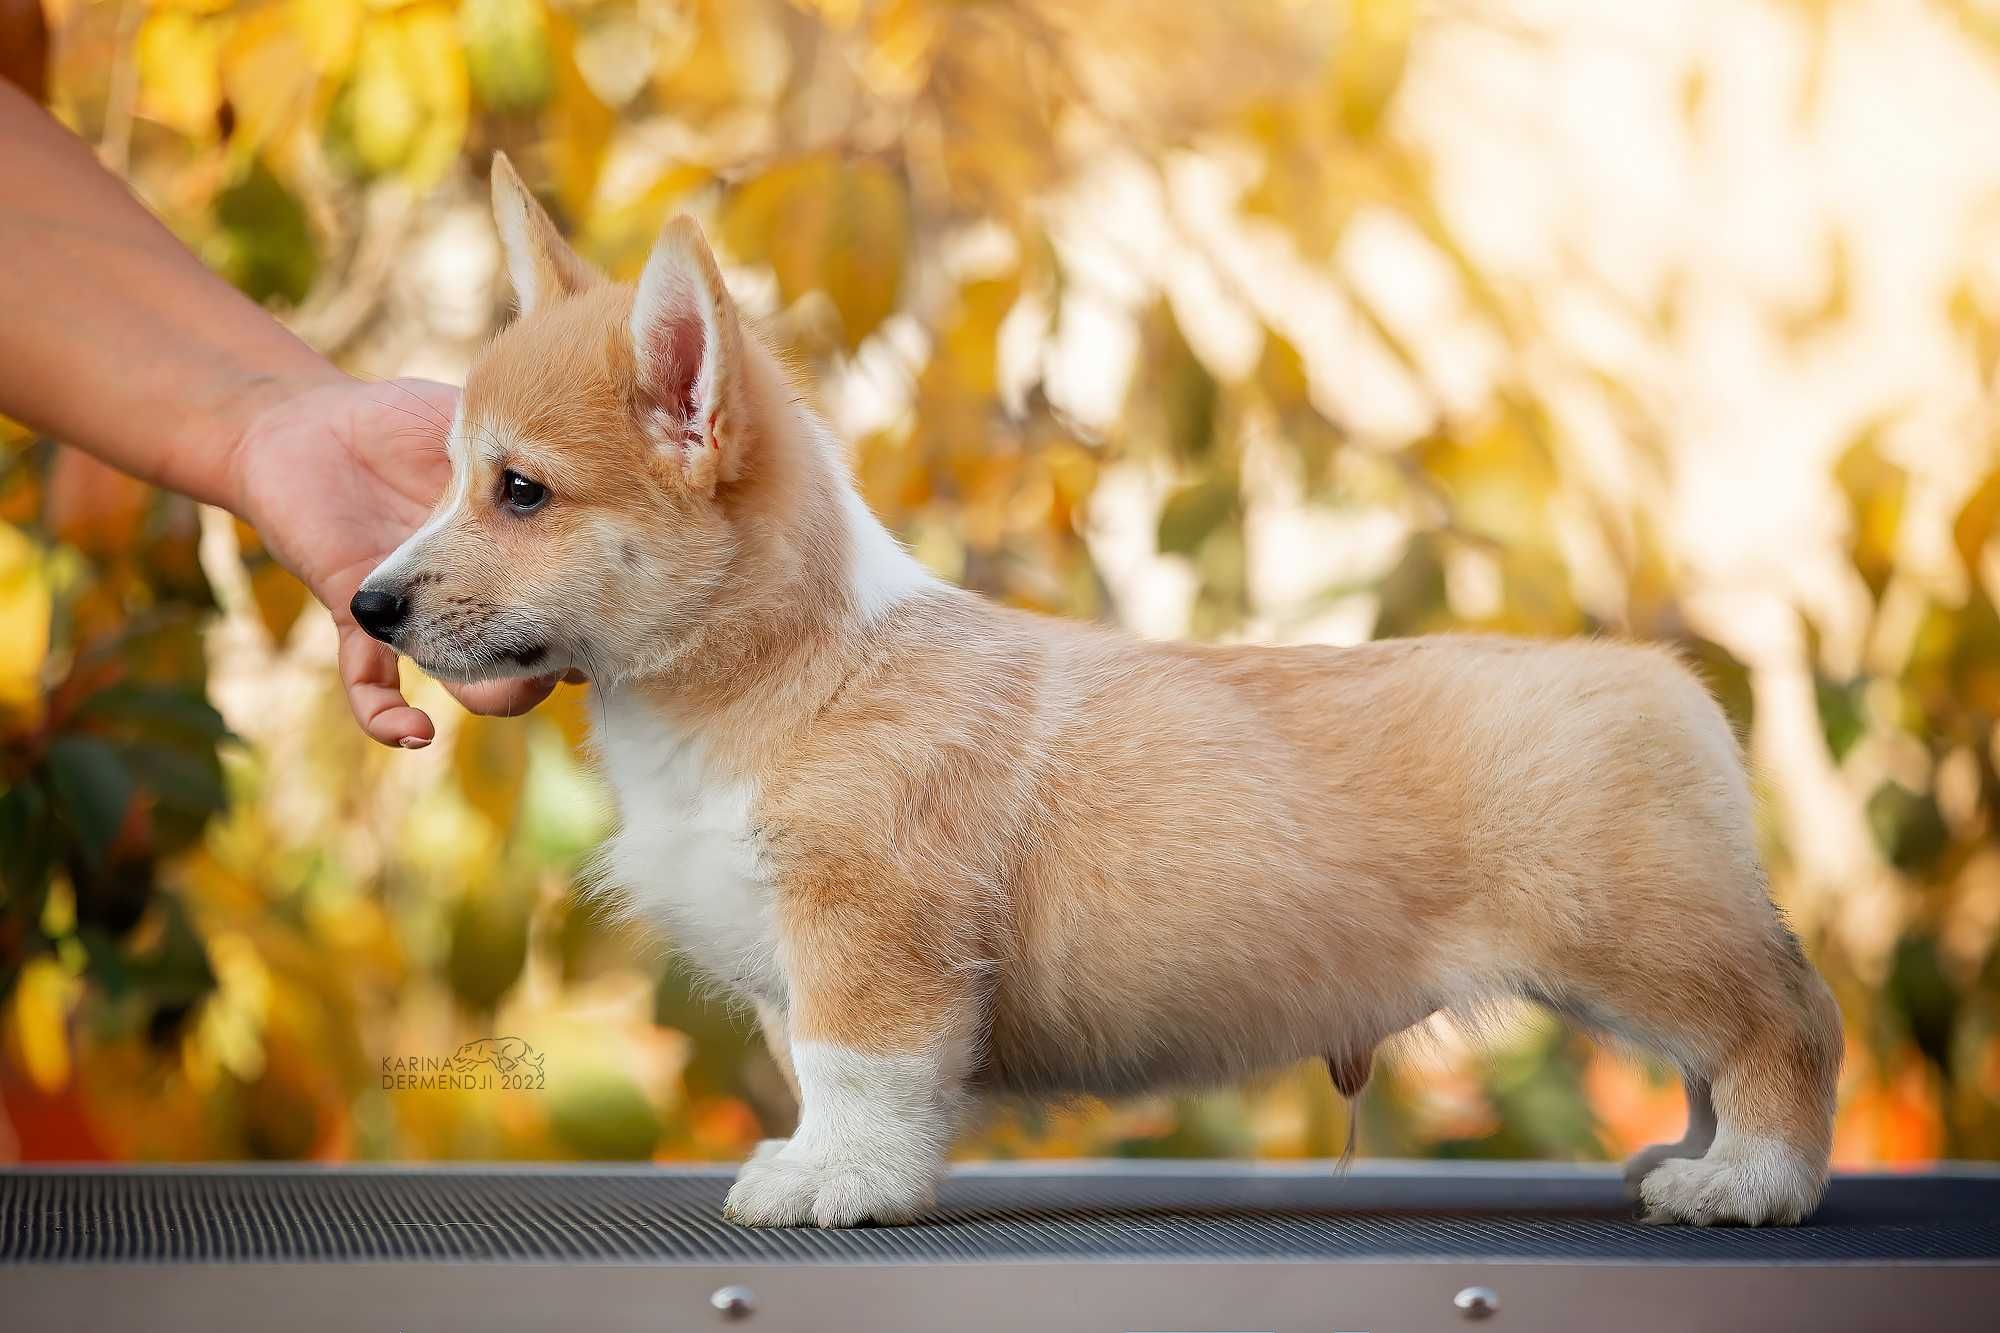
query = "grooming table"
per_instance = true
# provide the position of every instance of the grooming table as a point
(1121, 1247)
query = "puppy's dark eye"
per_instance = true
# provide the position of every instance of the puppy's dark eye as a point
(522, 496)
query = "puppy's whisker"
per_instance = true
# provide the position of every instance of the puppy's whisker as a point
(443, 422)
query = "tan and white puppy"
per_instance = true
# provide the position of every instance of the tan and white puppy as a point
(952, 851)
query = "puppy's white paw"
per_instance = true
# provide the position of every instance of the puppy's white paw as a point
(1640, 1164)
(768, 1148)
(1753, 1182)
(780, 1190)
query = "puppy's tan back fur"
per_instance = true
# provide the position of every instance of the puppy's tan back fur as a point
(954, 850)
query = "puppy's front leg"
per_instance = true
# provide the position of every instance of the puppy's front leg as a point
(881, 1063)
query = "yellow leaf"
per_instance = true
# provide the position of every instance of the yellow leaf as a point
(569, 707)
(492, 755)
(972, 340)
(384, 110)
(1876, 489)
(331, 30)
(620, 235)
(1281, 371)
(25, 606)
(833, 13)
(827, 225)
(179, 57)
(268, 75)
(407, 104)
(279, 597)
(697, 68)
(437, 63)
(1369, 60)
(1975, 524)
(59, 910)
(579, 127)
(901, 39)
(42, 999)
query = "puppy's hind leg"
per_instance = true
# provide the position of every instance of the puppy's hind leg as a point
(1773, 1093)
(1693, 1143)
(771, 1021)
(1759, 1040)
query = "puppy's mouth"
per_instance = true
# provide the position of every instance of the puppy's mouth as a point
(498, 654)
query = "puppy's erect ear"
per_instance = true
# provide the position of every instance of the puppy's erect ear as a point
(688, 346)
(539, 260)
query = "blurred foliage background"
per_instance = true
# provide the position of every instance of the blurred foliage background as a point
(1296, 321)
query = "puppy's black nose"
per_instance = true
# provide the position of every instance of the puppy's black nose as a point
(379, 612)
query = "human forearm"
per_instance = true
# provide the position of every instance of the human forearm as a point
(116, 338)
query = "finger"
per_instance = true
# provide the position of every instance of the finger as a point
(504, 698)
(368, 671)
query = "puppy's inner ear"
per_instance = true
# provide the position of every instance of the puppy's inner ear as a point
(671, 345)
(687, 344)
(540, 262)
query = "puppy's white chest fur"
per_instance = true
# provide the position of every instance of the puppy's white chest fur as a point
(686, 854)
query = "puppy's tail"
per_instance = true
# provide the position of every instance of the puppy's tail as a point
(1350, 1076)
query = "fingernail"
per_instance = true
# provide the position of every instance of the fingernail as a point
(414, 742)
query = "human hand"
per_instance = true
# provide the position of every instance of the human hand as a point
(334, 476)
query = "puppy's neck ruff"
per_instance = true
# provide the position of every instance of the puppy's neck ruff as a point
(815, 574)
(881, 574)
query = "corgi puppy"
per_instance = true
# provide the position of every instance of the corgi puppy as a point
(954, 852)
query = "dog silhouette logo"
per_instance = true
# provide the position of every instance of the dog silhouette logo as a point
(507, 1055)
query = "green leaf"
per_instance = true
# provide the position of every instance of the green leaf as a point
(265, 246)
(1919, 990)
(1192, 396)
(723, 1044)
(1727, 679)
(1195, 512)
(181, 779)
(27, 847)
(1413, 595)
(489, 946)
(1841, 718)
(93, 789)
(601, 1115)
(826, 224)
(507, 53)
(176, 969)
(1908, 827)
(174, 713)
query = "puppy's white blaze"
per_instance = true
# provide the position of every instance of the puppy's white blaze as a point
(685, 854)
(880, 572)
(449, 507)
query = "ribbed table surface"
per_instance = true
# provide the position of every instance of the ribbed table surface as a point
(1091, 1211)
